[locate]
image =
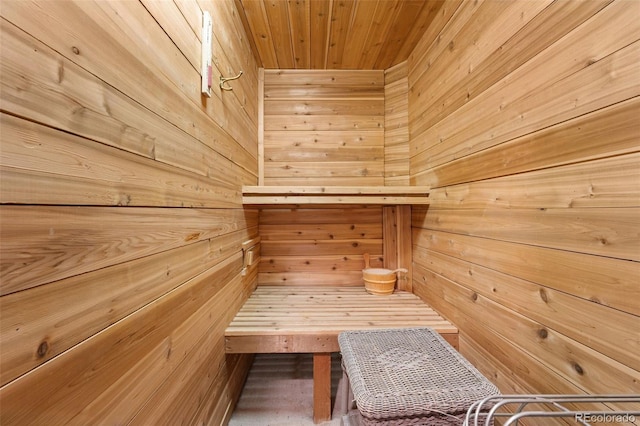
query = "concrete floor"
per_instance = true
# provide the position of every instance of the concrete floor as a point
(279, 392)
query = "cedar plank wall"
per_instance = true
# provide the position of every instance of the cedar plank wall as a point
(523, 118)
(396, 125)
(121, 212)
(319, 246)
(321, 127)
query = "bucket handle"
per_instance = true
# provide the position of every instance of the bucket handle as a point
(367, 257)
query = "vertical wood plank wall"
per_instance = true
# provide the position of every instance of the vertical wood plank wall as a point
(523, 118)
(323, 127)
(122, 221)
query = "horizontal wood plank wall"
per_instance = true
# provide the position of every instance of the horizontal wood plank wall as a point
(121, 216)
(319, 246)
(324, 127)
(396, 125)
(523, 119)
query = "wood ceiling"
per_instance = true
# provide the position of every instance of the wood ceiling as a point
(335, 34)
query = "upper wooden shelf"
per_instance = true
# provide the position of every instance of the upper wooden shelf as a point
(275, 195)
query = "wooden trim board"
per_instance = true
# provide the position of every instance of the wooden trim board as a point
(388, 195)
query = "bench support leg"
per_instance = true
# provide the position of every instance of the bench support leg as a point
(321, 387)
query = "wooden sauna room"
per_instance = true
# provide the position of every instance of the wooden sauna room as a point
(166, 163)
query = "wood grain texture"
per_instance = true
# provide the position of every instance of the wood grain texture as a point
(610, 232)
(321, 387)
(530, 144)
(122, 220)
(93, 304)
(600, 280)
(324, 127)
(353, 34)
(396, 126)
(44, 244)
(517, 111)
(580, 365)
(312, 246)
(609, 131)
(117, 41)
(325, 311)
(76, 171)
(479, 72)
(63, 95)
(127, 343)
(308, 320)
(122, 224)
(569, 314)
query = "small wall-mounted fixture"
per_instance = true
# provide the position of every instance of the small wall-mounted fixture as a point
(223, 80)
(250, 254)
(207, 52)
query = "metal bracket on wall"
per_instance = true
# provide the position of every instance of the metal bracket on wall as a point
(223, 80)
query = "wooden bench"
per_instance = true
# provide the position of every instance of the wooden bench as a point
(287, 319)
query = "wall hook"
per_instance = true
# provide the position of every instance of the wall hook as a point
(223, 80)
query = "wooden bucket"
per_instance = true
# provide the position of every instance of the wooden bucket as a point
(380, 287)
(379, 281)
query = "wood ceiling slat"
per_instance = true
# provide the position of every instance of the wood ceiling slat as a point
(300, 21)
(428, 13)
(340, 23)
(278, 17)
(256, 17)
(243, 19)
(382, 22)
(407, 13)
(359, 31)
(320, 15)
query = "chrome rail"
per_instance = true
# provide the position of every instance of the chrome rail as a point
(485, 411)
